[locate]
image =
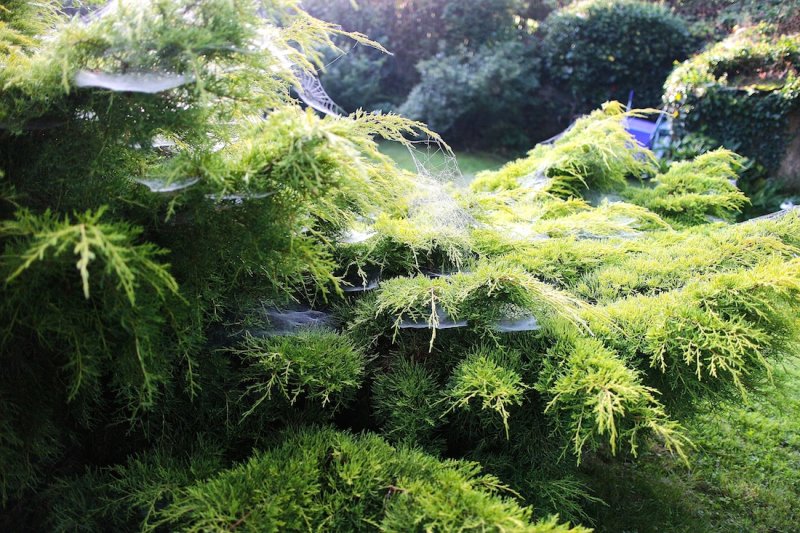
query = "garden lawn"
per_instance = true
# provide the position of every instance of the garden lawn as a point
(470, 163)
(745, 475)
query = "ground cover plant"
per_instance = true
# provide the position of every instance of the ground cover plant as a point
(222, 311)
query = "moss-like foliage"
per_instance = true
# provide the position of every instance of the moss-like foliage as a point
(405, 400)
(319, 365)
(612, 300)
(595, 153)
(694, 192)
(481, 382)
(330, 480)
(599, 394)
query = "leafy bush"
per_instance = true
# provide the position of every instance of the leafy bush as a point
(739, 94)
(412, 32)
(715, 19)
(481, 97)
(598, 50)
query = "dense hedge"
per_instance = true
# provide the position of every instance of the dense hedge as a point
(481, 97)
(599, 50)
(715, 19)
(412, 32)
(739, 94)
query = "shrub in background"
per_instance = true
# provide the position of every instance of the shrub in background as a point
(469, 68)
(741, 94)
(715, 19)
(412, 32)
(483, 97)
(599, 50)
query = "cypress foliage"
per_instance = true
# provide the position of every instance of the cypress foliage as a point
(185, 343)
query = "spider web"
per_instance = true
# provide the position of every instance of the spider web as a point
(433, 204)
(313, 94)
(435, 160)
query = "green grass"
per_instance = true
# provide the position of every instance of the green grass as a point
(470, 163)
(745, 475)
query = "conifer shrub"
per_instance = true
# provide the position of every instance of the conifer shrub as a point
(221, 311)
(595, 394)
(486, 382)
(693, 192)
(321, 366)
(665, 262)
(596, 153)
(745, 318)
(405, 404)
(321, 478)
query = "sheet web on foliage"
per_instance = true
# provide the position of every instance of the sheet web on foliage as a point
(308, 88)
(434, 206)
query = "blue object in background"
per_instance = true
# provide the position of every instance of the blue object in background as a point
(646, 132)
(642, 130)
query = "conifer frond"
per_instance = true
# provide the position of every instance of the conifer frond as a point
(696, 192)
(49, 237)
(482, 378)
(603, 398)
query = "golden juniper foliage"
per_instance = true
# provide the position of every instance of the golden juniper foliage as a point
(181, 352)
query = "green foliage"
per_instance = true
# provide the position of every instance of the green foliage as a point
(412, 32)
(482, 377)
(595, 154)
(459, 94)
(716, 19)
(598, 50)
(739, 94)
(118, 342)
(322, 478)
(321, 366)
(743, 474)
(666, 261)
(525, 323)
(481, 297)
(600, 396)
(405, 400)
(132, 291)
(129, 496)
(88, 309)
(695, 192)
(729, 324)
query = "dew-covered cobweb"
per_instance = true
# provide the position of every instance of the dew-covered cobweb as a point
(433, 204)
(313, 94)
